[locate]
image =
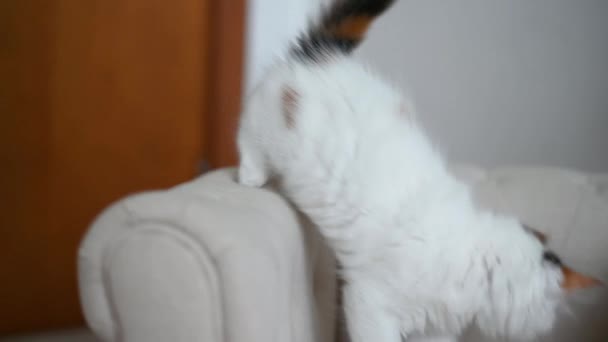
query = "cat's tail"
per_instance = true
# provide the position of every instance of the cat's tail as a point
(340, 29)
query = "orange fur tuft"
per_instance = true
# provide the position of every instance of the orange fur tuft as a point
(352, 28)
(290, 103)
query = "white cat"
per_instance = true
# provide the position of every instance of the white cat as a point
(416, 254)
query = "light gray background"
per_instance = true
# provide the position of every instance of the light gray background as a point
(496, 82)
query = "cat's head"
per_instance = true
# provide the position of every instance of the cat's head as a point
(527, 283)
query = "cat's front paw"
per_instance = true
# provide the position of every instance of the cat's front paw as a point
(251, 177)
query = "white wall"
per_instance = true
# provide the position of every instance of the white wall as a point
(271, 26)
(496, 82)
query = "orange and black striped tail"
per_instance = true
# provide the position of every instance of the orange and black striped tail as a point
(341, 28)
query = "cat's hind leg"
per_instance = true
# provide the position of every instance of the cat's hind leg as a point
(367, 318)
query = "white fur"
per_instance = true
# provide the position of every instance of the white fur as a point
(417, 256)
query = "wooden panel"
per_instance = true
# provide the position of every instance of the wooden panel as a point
(228, 27)
(104, 98)
(24, 156)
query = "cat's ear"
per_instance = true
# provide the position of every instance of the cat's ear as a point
(576, 281)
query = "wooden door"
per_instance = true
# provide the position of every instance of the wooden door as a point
(98, 99)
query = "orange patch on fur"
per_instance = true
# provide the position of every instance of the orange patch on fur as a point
(542, 237)
(574, 280)
(289, 100)
(352, 28)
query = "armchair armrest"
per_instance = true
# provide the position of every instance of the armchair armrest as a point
(209, 260)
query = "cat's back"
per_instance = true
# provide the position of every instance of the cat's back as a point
(342, 102)
(349, 124)
(344, 90)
